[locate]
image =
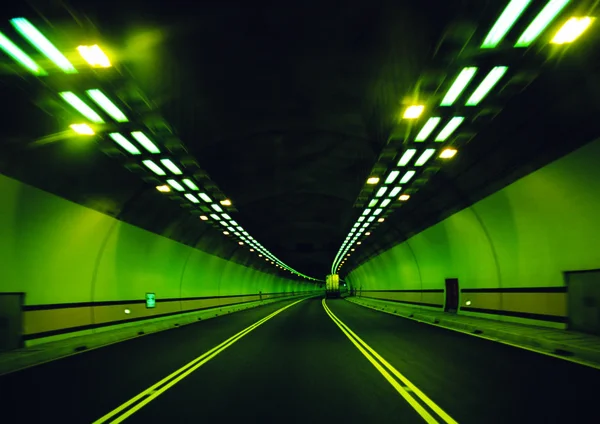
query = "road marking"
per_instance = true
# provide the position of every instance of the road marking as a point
(575, 360)
(373, 357)
(152, 392)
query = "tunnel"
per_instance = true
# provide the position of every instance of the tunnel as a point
(303, 212)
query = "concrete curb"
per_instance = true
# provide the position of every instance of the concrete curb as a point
(485, 329)
(15, 360)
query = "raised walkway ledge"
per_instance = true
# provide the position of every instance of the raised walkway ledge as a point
(569, 345)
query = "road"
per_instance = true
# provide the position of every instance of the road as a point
(299, 366)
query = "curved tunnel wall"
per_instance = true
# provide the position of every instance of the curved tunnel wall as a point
(81, 269)
(509, 251)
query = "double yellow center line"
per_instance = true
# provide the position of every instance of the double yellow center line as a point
(134, 404)
(424, 406)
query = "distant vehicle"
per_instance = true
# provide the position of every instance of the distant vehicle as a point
(333, 288)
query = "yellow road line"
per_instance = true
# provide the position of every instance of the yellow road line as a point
(356, 340)
(169, 381)
(493, 339)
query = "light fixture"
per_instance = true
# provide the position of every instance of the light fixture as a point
(367, 234)
(163, 188)
(42, 44)
(458, 86)
(381, 192)
(372, 203)
(406, 157)
(223, 223)
(448, 153)
(109, 107)
(205, 197)
(145, 142)
(540, 22)
(391, 177)
(191, 198)
(94, 56)
(366, 211)
(404, 197)
(154, 167)
(449, 128)
(225, 216)
(372, 180)
(224, 232)
(428, 128)
(252, 250)
(359, 242)
(413, 112)
(19, 55)
(395, 191)
(425, 156)
(191, 185)
(371, 219)
(82, 129)
(360, 219)
(125, 144)
(215, 216)
(352, 250)
(381, 220)
(406, 178)
(225, 202)
(571, 30)
(385, 203)
(205, 218)
(216, 207)
(507, 19)
(377, 211)
(486, 85)
(175, 185)
(168, 163)
(81, 107)
(241, 243)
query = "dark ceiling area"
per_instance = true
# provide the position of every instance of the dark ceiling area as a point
(286, 108)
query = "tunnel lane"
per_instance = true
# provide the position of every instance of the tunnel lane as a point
(299, 366)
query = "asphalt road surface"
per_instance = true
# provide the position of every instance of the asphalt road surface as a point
(303, 363)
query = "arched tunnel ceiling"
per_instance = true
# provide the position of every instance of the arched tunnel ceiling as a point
(287, 106)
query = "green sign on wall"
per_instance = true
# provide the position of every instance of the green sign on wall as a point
(150, 300)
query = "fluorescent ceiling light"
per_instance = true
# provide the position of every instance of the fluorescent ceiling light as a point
(125, 144)
(94, 56)
(541, 21)
(153, 167)
(175, 185)
(145, 142)
(393, 175)
(82, 129)
(168, 163)
(223, 223)
(372, 203)
(406, 157)
(459, 85)
(395, 191)
(425, 156)
(360, 219)
(205, 197)
(571, 30)
(404, 197)
(377, 212)
(372, 180)
(428, 128)
(381, 192)
(486, 85)
(225, 216)
(41, 43)
(215, 217)
(191, 198)
(366, 211)
(205, 218)
(216, 207)
(385, 203)
(81, 107)
(507, 19)
(191, 185)
(163, 188)
(109, 107)
(20, 56)
(406, 178)
(449, 128)
(225, 202)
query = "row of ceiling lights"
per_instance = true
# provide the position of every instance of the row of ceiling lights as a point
(387, 194)
(162, 166)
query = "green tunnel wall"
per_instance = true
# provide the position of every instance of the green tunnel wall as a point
(81, 269)
(509, 251)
